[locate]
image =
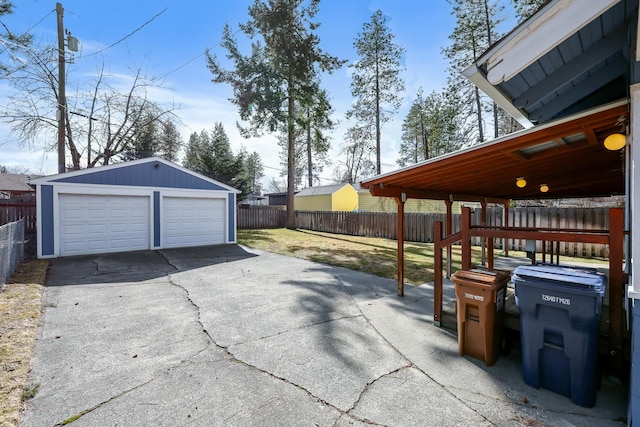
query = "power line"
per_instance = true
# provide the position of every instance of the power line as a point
(128, 35)
(193, 59)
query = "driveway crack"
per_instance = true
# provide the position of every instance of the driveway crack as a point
(94, 407)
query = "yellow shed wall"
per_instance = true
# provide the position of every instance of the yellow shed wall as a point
(369, 203)
(345, 199)
(312, 203)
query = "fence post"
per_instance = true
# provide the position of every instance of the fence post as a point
(437, 273)
(465, 241)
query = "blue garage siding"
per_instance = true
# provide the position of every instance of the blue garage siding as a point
(144, 175)
(156, 219)
(232, 217)
(46, 219)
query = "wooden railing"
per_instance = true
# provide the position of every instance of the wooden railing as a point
(613, 237)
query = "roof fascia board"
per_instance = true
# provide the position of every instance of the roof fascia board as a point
(524, 132)
(478, 78)
(552, 25)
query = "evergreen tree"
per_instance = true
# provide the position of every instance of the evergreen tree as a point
(376, 81)
(210, 154)
(192, 153)
(285, 56)
(255, 172)
(170, 141)
(476, 29)
(144, 141)
(11, 43)
(429, 129)
(316, 121)
(526, 8)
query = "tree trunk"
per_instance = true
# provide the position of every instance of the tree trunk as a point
(309, 160)
(291, 158)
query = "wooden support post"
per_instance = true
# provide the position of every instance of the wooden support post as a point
(448, 231)
(506, 224)
(489, 247)
(465, 225)
(483, 240)
(400, 203)
(437, 273)
(616, 290)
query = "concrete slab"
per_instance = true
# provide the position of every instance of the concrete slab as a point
(227, 336)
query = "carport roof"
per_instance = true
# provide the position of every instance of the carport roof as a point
(566, 154)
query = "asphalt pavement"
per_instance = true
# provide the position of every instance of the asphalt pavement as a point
(228, 336)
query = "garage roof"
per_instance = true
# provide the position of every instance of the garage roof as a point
(566, 154)
(146, 172)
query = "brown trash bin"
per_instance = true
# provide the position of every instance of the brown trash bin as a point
(480, 298)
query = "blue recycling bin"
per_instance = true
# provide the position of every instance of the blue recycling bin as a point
(559, 327)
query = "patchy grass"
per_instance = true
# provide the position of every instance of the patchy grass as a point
(20, 309)
(371, 255)
(368, 254)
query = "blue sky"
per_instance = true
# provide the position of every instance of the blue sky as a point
(171, 46)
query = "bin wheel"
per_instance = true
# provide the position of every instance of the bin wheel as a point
(505, 344)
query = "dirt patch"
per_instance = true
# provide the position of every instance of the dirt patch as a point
(20, 310)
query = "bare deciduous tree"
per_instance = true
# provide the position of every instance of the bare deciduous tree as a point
(101, 118)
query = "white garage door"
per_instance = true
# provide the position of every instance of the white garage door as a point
(101, 224)
(192, 222)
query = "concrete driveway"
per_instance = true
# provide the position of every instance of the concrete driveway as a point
(227, 337)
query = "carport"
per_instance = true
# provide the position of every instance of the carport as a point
(566, 155)
(149, 203)
(569, 75)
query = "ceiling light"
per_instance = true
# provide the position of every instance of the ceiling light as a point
(615, 141)
(544, 188)
(521, 182)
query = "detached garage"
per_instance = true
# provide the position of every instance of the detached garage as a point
(143, 204)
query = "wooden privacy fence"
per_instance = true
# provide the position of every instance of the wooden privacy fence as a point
(419, 226)
(18, 208)
(550, 218)
(254, 218)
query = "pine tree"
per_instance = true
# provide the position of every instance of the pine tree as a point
(170, 141)
(11, 43)
(267, 83)
(526, 8)
(476, 28)
(429, 128)
(376, 81)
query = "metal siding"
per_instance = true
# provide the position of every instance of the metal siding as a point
(231, 217)
(156, 218)
(46, 210)
(144, 175)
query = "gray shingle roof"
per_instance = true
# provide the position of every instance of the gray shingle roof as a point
(15, 182)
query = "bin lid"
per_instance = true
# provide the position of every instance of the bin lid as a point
(583, 279)
(482, 276)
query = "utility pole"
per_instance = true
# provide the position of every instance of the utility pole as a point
(62, 101)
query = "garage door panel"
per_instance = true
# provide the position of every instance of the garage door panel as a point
(193, 221)
(101, 224)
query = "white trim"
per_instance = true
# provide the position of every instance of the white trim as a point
(478, 78)
(537, 36)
